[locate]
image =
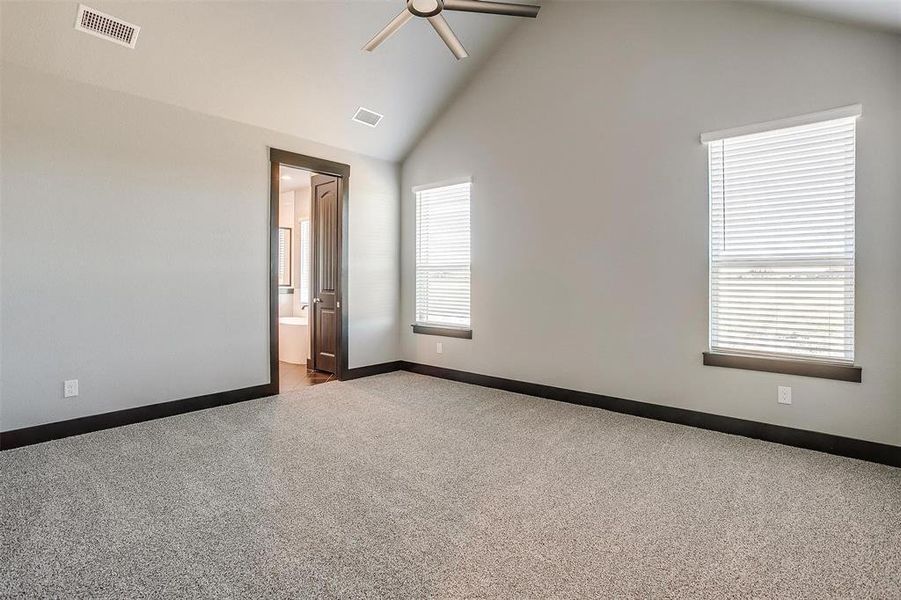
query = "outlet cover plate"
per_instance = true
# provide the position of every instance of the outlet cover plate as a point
(784, 394)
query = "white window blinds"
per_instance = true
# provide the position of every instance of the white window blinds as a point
(284, 256)
(442, 255)
(305, 261)
(782, 242)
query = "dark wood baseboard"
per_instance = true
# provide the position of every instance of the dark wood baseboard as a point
(801, 438)
(368, 370)
(128, 416)
(61, 429)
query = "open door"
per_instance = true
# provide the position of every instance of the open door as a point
(325, 273)
(326, 319)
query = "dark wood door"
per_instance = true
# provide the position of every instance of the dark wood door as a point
(325, 273)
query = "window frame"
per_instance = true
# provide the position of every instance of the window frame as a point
(804, 366)
(434, 328)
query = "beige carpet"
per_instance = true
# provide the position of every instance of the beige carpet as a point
(405, 486)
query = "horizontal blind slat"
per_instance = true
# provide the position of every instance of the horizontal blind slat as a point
(782, 242)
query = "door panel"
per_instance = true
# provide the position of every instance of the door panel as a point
(325, 273)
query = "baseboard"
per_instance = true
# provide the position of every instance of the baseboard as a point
(61, 429)
(823, 442)
(801, 438)
(388, 367)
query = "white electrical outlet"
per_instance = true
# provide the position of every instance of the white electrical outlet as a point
(439, 347)
(784, 395)
(70, 388)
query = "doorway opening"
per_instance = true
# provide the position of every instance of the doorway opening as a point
(308, 324)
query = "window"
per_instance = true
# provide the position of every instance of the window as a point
(284, 256)
(305, 261)
(782, 239)
(442, 257)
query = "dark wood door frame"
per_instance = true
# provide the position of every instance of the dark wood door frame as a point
(325, 167)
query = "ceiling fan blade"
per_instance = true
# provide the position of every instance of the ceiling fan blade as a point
(494, 8)
(389, 30)
(448, 36)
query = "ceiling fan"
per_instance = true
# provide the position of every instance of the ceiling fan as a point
(431, 10)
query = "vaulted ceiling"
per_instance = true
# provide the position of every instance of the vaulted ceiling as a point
(294, 67)
(881, 14)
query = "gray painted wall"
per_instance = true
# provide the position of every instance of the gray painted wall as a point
(135, 250)
(589, 202)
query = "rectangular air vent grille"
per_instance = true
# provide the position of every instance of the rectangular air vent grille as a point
(367, 117)
(106, 26)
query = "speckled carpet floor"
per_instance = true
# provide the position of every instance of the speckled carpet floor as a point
(405, 486)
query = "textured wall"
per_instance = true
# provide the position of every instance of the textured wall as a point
(589, 202)
(122, 217)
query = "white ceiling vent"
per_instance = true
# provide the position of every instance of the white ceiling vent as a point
(367, 117)
(106, 27)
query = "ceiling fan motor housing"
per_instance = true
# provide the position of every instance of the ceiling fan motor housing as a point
(425, 8)
(431, 11)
